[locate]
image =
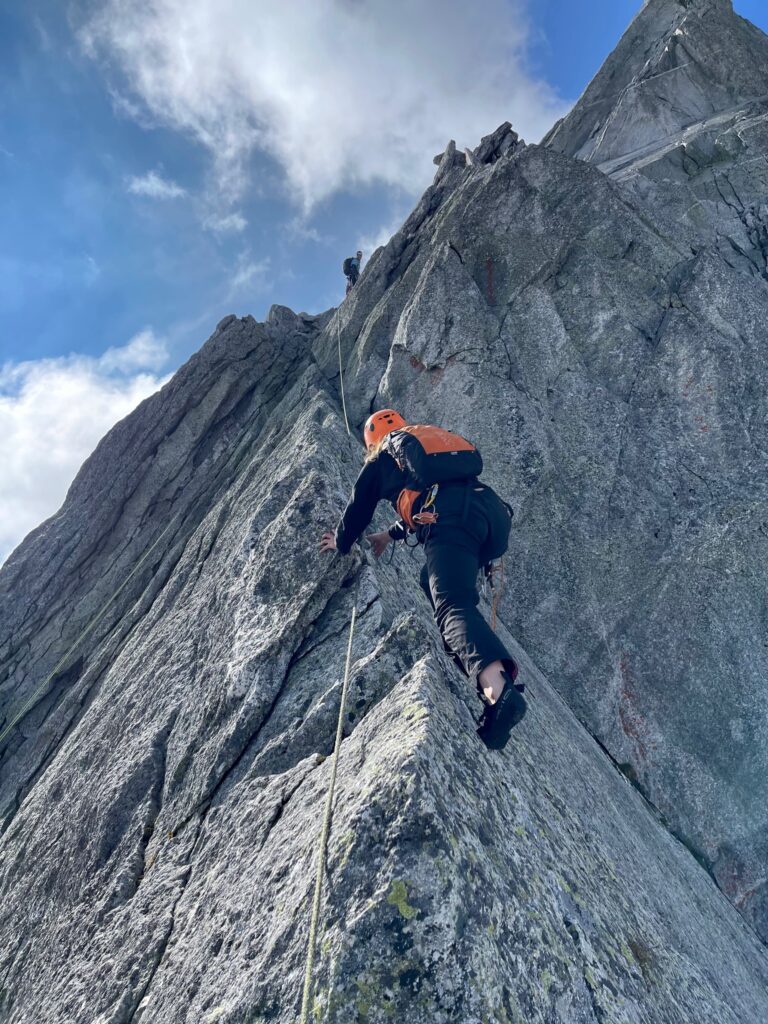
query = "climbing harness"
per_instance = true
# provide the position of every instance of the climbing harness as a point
(323, 843)
(32, 700)
(341, 374)
(426, 517)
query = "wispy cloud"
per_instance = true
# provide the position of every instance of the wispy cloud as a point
(369, 243)
(92, 271)
(53, 412)
(340, 94)
(130, 109)
(154, 186)
(46, 42)
(145, 351)
(226, 224)
(298, 228)
(252, 275)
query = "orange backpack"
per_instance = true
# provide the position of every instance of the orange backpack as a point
(429, 455)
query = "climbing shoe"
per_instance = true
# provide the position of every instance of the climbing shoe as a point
(497, 720)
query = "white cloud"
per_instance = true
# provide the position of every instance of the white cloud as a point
(299, 229)
(92, 271)
(53, 412)
(125, 107)
(250, 274)
(230, 223)
(143, 352)
(340, 93)
(369, 243)
(44, 36)
(154, 186)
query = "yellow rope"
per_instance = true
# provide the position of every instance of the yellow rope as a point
(324, 834)
(341, 375)
(326, 828)
(99, 615)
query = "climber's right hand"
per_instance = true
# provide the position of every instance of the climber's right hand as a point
(328, 542)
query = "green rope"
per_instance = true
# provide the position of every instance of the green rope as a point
(324, 833)
(99, 615)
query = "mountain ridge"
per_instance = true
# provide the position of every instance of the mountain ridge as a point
(724, 58)
(601, 336)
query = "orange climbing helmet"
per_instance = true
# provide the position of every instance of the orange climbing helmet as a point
(380, 424)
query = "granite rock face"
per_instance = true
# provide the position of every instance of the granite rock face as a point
(601, 333)
(679, 63)
(161, 804)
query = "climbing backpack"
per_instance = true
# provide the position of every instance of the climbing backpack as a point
(429, 455)
(347, 265)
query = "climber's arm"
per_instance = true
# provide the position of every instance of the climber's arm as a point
(360, 507)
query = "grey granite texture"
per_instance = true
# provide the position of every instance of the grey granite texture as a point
(600, 329)
(678, 63)
(161, 808)
(603, 336)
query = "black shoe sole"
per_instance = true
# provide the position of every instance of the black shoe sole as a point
(496, 735)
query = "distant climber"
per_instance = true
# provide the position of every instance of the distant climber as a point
(431, 478)
(351, 268)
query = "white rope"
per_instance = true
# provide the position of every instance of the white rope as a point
(341, 375)
(324, 834)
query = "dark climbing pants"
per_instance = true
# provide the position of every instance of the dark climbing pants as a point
(472, 530)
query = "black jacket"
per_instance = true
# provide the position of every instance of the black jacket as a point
(381, 478)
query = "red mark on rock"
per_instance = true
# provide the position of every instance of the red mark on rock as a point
(633, 722)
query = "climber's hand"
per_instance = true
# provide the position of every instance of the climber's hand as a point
(379, 542)
(328, 542)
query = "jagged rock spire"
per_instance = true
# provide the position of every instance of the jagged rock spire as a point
(679, 62)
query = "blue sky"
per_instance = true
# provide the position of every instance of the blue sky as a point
(142, 199)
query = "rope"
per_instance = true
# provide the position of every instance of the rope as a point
(324, 833)
(32, 700)
(341, 375)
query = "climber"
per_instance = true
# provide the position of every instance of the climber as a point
(351, 268)
(463, 524)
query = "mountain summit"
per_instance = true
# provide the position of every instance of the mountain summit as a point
(679, 63)
(593, 313)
